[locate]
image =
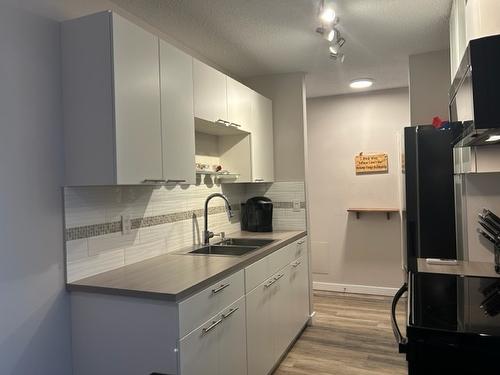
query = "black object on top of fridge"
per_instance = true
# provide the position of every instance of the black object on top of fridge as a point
(429, 189)
(257, 215)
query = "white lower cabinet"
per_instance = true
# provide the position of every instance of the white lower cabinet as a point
(278, 308)
(299, 288)
(232, 340)
(240, 325)
(199, 350)
(260, 348)
(218, 346)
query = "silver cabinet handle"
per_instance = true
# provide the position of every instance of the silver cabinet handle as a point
(220, 289)
(259, 180)
(176, 181)
(230, 312)
(278, 277)
(153, 181)
(223, 122)
(269, 283)
(301, 242)
(214, 324)
(296, 264)
(234, 124)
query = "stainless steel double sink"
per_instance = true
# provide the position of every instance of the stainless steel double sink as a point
(233, 246)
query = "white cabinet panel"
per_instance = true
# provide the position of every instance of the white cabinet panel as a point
(210, 92)
(482, 18)
(195, 310)
(218, 346)
(199, 350)
(239, 104)
(282, 312)
(233, 340)
(299, 287)
(260, 348)
(137, 103)
(262, 139)
(177, 115)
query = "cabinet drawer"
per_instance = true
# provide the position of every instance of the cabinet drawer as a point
(300, 248)
(195, 310)
(281, 258)
(256, 274)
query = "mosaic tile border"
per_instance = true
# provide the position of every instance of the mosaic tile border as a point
(95, 230)
(287, 205)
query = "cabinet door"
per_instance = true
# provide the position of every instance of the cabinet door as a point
(177, 115)
(210, 93)
(239, 104)
(198, 351)
(137, 103)
(299, 286)
(262, 139)
(260, 353)
(233, 340)
(281, 312)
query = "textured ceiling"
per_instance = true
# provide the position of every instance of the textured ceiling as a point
(258, 37)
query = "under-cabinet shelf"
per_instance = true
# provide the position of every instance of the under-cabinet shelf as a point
(387, 211)
(218, 175)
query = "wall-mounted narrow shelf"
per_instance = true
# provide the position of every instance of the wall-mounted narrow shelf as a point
(387, 211)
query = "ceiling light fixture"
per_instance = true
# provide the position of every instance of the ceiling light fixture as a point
(329, 33)
(361, 83)
(337, 57)
(335, 47)
(327, 14)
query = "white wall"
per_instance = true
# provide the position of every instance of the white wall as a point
(34, 313)
(429, 86)
(347, 251)
(287, 91)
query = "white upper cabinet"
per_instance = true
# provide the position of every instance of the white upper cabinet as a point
(112, 124)
(134, 107)
(210, 93)
(481, 18)
(137, 103)
(239, 104)
(262, 139)
(458, 41)
(128, 105)
(177, 115)
(471, 19)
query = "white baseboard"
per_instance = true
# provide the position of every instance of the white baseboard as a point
(351, 288)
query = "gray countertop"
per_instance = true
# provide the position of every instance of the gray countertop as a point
(462, 268)
(176, 276)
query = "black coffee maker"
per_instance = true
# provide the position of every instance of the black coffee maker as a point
(257, 215)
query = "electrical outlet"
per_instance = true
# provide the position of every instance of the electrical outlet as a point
(296, 205)
(126, 224)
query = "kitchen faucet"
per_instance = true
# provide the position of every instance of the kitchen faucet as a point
(208, 234)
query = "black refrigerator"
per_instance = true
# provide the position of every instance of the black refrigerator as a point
(429, 193)
(448, 329)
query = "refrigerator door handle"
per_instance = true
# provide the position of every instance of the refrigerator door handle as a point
(402, 341)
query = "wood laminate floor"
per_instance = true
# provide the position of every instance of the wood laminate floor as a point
(351, 335)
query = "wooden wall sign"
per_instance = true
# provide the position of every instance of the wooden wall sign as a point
(371, 163)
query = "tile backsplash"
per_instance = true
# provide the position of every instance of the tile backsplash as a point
(163, 219)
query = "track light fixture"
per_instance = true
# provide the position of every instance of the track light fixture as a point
(326, 12)
(329, 31)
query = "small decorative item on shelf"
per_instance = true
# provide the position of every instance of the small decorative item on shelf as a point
(216, 171)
